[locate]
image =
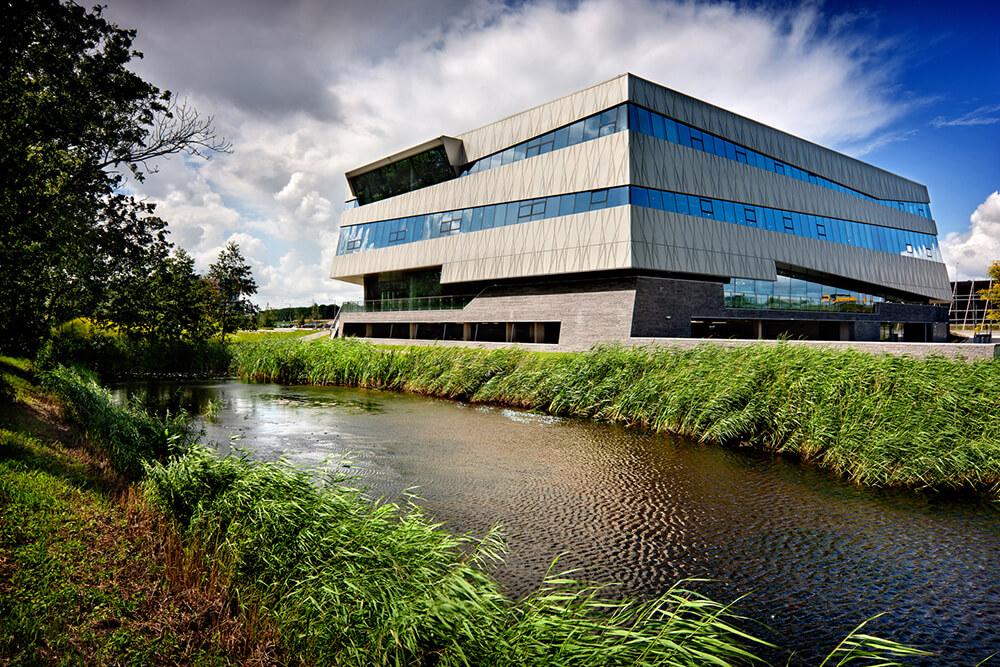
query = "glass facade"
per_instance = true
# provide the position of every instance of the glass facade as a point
(432, 166)
(656, 125)
(385, 233)
(857, 234)
(791, 293)
(599, 125)
(411, 173)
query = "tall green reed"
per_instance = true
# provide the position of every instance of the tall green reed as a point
(876, 419)
(349, 582)
(129, 435)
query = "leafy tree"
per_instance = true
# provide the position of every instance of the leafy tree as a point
(234, 279)
(73, 122)
(314, 312)
(265, 319)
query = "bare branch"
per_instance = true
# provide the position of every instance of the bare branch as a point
(178, 129)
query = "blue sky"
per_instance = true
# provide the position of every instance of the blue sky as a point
(308, 89)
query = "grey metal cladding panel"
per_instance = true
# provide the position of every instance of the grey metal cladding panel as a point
(667, 241)
(539, 120)
(592, 241)
(661, 164)
(599, 163)
(804, 154)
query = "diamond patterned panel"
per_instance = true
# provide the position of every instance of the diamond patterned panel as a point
(835, 166)
(733, 244)
(661, 164)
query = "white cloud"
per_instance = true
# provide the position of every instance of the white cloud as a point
(967, 254)
(982, 116)
(305, 95)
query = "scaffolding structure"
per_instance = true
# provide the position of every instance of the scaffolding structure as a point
(968, 308)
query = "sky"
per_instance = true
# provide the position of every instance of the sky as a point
(308, 89)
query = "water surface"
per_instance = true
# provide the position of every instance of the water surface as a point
(813, 555)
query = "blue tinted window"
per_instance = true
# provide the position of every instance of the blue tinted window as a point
(728, 211)
(683, 135)
(561, 138)
(566, 204)
(582, 202)
(639, 197)
(682, 203)
(575, 133)
(617, 197)
(655, 199)
(511, 218)
(591, 128)
(477, 219)
(645, 122)
(519, 152)
(671, 130)
(705, 206)
(659, 127)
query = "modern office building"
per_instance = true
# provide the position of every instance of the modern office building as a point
(628, 211)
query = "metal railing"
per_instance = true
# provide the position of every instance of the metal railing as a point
(451, 302)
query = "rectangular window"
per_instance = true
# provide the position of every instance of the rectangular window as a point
(779, 168)
(354, 244)
(645, 122)
(706, 204)
(397, 236)
(639, 196)
(591, 127)
(567, 205)
(507, 156)
(696, 140)
(524, 211)
(538, 209)
(659, 126)
(751, 215)
(546, 143)
(511, 214)
(609, 119)
(531, 150)
(741, 155)
(575, 133)
(655, 199)
(789, 225)
(821, 230)
(519, 152)
(671, 130)
(560, 138)
(598, 199)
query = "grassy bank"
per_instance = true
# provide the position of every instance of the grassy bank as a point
(878, 420)
(212, 560)
(88, 575)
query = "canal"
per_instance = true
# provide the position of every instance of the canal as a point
(805, 553)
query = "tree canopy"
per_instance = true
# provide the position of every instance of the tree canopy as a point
(74, 121)
(233, 278)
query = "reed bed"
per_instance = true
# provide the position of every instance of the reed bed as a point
(129, 435)
(348, 582)
(878, 420)
(338, 580)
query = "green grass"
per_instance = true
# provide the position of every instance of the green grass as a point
(875, 419)
(276, 334)
(349, 582)
(308, 570)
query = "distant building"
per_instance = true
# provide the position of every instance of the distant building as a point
(627, 211)
(968, 309)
